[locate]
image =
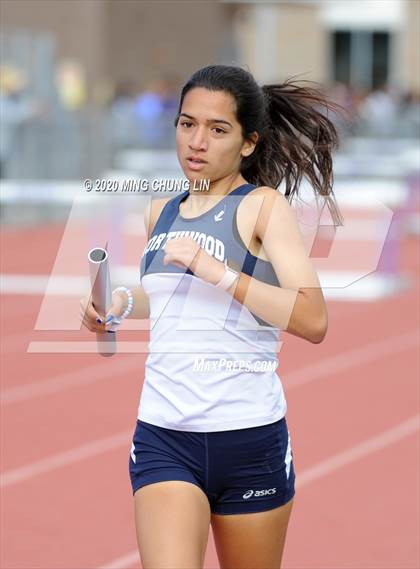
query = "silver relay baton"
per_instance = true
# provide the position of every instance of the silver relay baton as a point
(101, 295)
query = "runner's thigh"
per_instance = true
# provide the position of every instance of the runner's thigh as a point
(251, 541)
(172, 525)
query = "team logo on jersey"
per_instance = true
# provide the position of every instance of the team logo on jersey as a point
(219, 216)
(258, 493)
(213, 246)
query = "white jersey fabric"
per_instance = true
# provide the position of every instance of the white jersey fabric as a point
(212, 363)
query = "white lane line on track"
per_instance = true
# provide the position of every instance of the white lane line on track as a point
(316, 370)
(68, 380)
(123, 562)
(299, 377)
(378, 442)
(351, 358)
(55, 461)
(323, 468)
(62, 459)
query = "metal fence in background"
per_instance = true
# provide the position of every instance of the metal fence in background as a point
(66, 143)
(88, 141)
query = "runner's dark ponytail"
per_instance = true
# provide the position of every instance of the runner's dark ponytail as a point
(295, 138)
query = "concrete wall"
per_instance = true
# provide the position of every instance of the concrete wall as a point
(285, 51)
(116, 40)
(302, 44)
(410, 52)
(149, 38)
(78, 27)
(141, 39)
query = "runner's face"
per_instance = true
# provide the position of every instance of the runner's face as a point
(218, 143)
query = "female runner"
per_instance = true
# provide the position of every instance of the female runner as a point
(223, 272)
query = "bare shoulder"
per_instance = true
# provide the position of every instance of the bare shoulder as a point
(157, 207)
(271, 196)
(261, 203)
(268, 197)
(152, 212)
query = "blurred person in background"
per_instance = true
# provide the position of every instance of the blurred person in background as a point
(342, 95)
(409, 114)
(168, 93)
(70, 82)
(379, 112)
(123, 129)
(169, 101)
(155, 109)
(17, 107)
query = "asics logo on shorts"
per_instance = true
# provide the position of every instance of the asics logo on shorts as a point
(258, 493)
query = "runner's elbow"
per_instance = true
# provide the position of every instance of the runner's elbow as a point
(319, 332)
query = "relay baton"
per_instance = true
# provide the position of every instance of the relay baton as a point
(101, 296)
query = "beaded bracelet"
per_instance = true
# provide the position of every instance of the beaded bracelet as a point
(130, 300)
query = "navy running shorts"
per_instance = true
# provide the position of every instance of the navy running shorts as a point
(240, 471)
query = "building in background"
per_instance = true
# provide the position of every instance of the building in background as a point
(366, 53)
(352, 41)
(359, 43)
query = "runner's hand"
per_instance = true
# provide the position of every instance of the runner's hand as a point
(96, 322)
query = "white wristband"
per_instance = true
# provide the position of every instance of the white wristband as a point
(130, 300)
(228, 278)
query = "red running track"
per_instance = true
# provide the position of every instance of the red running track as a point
(67, 420)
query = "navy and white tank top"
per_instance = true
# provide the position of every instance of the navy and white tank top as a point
(211, 363)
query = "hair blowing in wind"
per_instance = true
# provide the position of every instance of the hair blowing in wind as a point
(296, 139)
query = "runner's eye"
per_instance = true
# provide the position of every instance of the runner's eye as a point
(188, 124)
